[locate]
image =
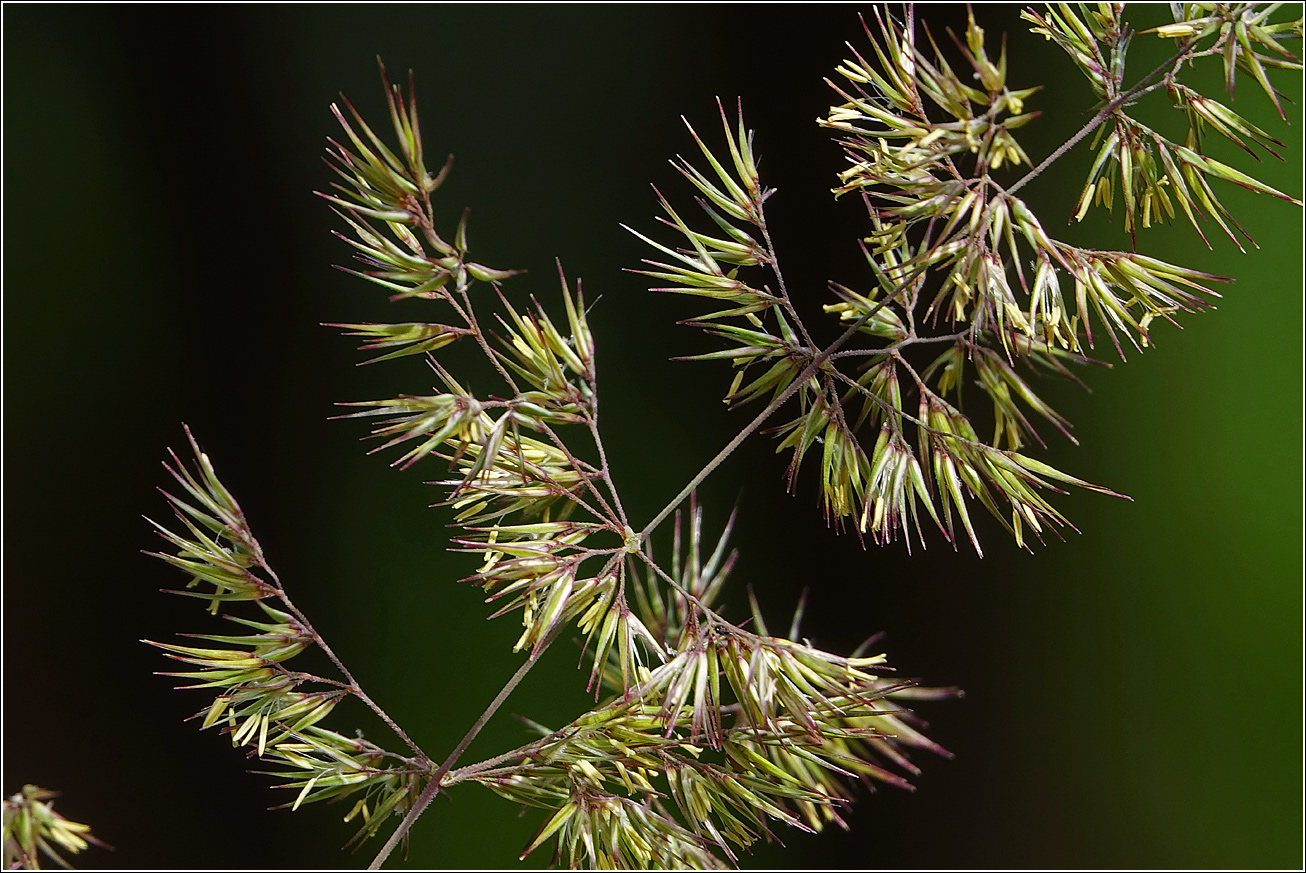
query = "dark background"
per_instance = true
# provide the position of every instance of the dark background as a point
(1134, 693)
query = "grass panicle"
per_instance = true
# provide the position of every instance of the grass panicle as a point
(708, 734)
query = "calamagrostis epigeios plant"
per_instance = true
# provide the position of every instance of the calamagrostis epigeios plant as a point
(707, 733)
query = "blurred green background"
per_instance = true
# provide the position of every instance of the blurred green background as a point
(1134, 693)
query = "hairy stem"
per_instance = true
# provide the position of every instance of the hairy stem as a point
(605, 471)
(352, 683)
(480, 767)
(780, 279)
(766, 413)
(727, 451)
(434, 786)
(1141, 88)
(708, 611)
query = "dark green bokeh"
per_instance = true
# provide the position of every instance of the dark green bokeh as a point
(1134, 694)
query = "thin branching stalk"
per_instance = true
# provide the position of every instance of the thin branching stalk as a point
(1138, 90)
(761, 418)
(437, 778)
(355, 688)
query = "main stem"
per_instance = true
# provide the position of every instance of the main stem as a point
(433, 787)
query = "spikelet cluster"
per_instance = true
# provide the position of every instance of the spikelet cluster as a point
(32, 830)
(723, 734)
(262, 704)
(1152, 173)
(967, 286)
